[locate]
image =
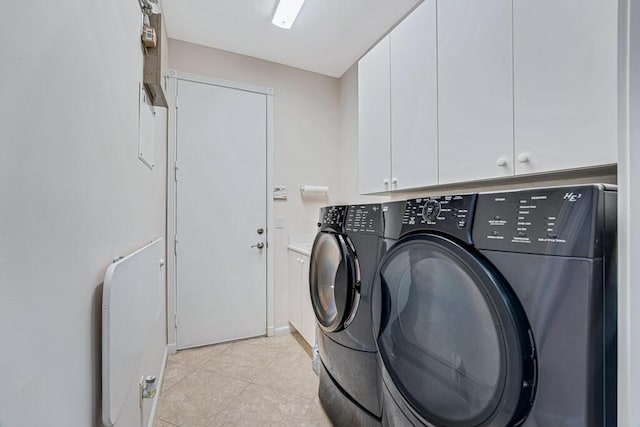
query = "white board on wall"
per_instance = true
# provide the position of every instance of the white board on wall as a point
(131, 305)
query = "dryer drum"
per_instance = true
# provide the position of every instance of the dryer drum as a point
(333, 280)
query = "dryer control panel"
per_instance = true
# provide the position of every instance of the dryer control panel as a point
(554, 221)
(332, 218)
(364, 219)
(448, 214)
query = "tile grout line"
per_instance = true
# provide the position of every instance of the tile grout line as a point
(236, 378)
(247, 384)
(200, 367)
(164, 421)
(268, 364)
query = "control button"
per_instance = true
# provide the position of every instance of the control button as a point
(497, 217)
(431, 210)
(552, 235)
(496, 233)
(522, 234)
(462, 223)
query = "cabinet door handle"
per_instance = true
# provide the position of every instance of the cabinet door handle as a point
(394, 182)
(385, 182)
(523, 158)
(502, 162)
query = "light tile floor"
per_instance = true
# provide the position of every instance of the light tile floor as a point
(256, 382)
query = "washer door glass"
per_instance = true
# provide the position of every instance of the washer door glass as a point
(443, 336)
(331, 280)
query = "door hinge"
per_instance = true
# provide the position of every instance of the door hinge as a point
(175, 321)
(175, 171)
(175, 245)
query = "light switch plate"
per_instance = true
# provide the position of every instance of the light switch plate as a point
(280, 193)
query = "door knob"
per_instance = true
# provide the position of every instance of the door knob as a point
(258, 245)
(260, 230)
(501, 162)
(523, 158)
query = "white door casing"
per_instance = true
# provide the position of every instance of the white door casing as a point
(220, 287)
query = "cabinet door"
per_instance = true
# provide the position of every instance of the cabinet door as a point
(295, 313)
(374, 119)
(565, 76)
(308, 331)
(475, 89)
(414, 100)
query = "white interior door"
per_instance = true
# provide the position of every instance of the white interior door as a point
(221, 201)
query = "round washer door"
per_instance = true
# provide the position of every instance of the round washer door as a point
(333, 281)
(452, 337)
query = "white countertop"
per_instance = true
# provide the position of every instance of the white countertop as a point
(301, 248)
(301, 243)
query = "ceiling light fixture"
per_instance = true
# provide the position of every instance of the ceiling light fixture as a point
(286, 13)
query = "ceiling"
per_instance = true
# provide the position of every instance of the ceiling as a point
(327, 37)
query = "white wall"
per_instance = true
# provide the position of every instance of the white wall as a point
(306, 138)
(73, 196)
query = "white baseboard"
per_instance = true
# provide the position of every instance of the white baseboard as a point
(172, 348)
(283, 330)
(154, 405)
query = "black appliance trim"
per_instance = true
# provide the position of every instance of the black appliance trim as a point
(345, 291)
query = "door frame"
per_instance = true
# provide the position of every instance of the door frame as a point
(173, 171)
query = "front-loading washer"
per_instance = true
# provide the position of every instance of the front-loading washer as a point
(344, 258)
(499, 309)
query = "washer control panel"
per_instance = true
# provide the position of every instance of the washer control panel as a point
(364, 219)
(449, 214)
(332, 218)
(556, 221)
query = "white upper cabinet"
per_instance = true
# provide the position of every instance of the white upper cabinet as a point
(565, 77)
(414, 100)
(374, 119)
(475, 89)
(468, 90)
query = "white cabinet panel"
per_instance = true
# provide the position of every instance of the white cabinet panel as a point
(301, 315)
(374, 119)
(308, 330)
(565, 76)
(295, 274)
(475, 89)
(414, 100)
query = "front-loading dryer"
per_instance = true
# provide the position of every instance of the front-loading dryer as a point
(344, 259)
(499, 309)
